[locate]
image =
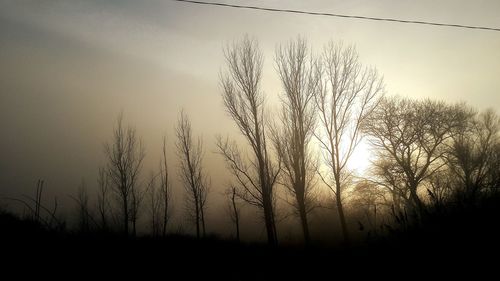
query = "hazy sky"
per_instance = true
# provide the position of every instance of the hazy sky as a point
(67, 68)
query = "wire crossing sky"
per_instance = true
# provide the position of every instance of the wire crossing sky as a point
(340, 15)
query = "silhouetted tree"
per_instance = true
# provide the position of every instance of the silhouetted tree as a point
(243, 100)
(494, 169)
(191, 172)
(83, 208)
(387, 173)
(125, 154)
(348, 95)
(85, 216)
(51, 221)
(138, 195)
(470, 155)
(103, 204)
(233, 209)
(160, 196)
(166, 189)
(38, 199)
(441, 186)
(155, 205)
(371, 202)
(411, 136)
(300, 78)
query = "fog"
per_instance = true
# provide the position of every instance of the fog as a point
(68, 68)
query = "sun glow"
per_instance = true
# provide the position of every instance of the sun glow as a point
(360, 159)
(359, 162)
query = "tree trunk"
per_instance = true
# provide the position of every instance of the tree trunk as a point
(237, 222)
(165, 220)
(416, 200)
(303, 218)
(202, 212)
(197, 209)
(236, 215)
(340, 209)
(134, 230)
(125, 216)
(269, 218)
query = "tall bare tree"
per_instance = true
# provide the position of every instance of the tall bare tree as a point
(387, 173)
(413, 136)
(85, 217)
(234, 209)
(125, 154)
(160, 196)
(244, 101)
(349, 93)
(472, 150)
(155, 205)
(166, 189)
(103, 204)
(83, 208)
(191, 172)
(138, 195)
(300, 77)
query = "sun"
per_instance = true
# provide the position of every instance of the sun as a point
(359, 161)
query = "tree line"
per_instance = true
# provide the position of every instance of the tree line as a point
(426, 153)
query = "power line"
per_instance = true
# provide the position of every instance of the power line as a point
(338, 15)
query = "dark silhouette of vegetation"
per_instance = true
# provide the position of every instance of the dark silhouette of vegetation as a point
(160, 197)
(196, 182)
(103, 203)
(300, 77)
(256, 177)
(471, 156)
(410, 138)
(349, 93)
(234, 210)
(82, 201)
(432, 190)
(50, 220)
(125, 154)
(165, 189)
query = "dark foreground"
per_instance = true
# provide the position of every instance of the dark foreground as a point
(465, 240)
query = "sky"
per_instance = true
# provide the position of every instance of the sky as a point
(67, 69)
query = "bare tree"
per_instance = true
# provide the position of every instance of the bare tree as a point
(206, 184)
(234, 209)
(413, 136)
(155, 205)
(38, 199)
(371, 202)
(243, 100)
(138, 195)
(191, 172)
(349, 94)
(84, 215)
(166, 189)
(125, 154)
(51, 221)
(472, 150)
(159, 196)
(494, 169)
(388, 174)
(300, 78)
(441, 186)
(83, 208)
(103, 204)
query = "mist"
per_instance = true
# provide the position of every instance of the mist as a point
(70, 68)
